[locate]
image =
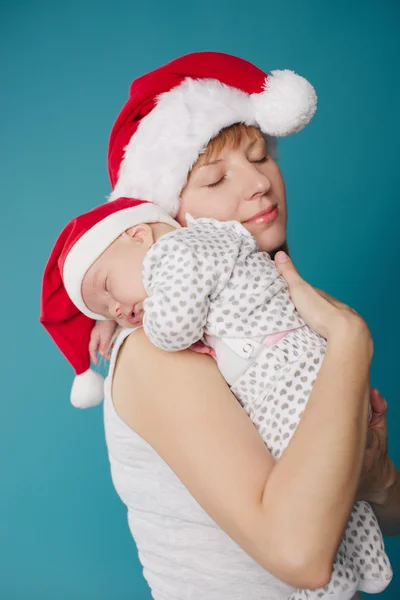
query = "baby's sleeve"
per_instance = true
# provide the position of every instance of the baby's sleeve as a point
(175, 313)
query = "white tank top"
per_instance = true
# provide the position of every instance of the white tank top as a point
(185, 555)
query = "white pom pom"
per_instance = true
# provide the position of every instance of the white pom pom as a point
(286, 105)
(87, 389)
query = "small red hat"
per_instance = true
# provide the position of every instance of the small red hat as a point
(173, 112)
(62, 311)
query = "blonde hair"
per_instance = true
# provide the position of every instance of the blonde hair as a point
(232, 137)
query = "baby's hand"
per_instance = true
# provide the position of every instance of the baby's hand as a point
(201, 348)
(100, 339)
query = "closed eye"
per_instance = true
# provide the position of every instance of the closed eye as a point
(217, 183)
(261, 160)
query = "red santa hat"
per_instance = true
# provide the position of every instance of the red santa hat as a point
(173, 112)
(63, 311)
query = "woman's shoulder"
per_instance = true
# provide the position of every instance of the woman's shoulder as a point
(141, 363)
(133, 352)
(137, 351)
(143, 373)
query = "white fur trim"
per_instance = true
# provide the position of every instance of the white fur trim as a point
(286, 105)
(170, 138)
(87, 389)
(96, 240)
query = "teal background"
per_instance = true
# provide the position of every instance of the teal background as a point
(65, 72)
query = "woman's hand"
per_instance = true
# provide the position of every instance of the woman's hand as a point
(378, 472)
(321, 312)
(378, 475)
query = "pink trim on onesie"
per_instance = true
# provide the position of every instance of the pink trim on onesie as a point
(273, 338)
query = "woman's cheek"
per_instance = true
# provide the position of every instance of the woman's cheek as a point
(221, 205)
(191, 204)
(208, 202)
(204, 205)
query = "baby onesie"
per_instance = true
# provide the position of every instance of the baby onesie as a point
(209, 281)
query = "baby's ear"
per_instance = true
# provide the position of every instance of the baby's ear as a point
(141, 233)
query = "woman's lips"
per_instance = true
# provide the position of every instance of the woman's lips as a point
(265, 216)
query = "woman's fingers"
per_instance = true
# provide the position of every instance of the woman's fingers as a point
(287, 269)
(377, 427)
(378, 472)
(378, 402)
(322, 313)
(312, 307)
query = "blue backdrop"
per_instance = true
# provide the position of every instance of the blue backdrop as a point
(66, 68)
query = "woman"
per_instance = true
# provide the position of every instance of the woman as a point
(212, 514)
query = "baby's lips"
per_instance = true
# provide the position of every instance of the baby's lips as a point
(135, 318)
(138, 307)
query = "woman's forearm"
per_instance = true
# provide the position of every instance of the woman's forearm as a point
(312, 487)
(388, 513)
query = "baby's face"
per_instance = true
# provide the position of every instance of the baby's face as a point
(112, 286)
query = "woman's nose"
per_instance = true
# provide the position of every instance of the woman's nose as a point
(257, 183)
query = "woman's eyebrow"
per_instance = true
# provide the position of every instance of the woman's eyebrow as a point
(256, 141)
(211, 162)
(249, 147)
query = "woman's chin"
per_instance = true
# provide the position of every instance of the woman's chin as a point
(271, 240)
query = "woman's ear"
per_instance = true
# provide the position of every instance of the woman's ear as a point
(141, 234)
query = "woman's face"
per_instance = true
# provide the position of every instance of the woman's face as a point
(242, 184)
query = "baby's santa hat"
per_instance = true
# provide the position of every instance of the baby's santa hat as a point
(173, 112)
(63, 311)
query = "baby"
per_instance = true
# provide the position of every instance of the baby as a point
(208, 281)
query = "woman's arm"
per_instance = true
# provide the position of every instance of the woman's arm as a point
(379, 481)
(311, 490)
(289, 515)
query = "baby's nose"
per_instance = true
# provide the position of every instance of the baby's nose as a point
(126, 310)
(115, 310)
